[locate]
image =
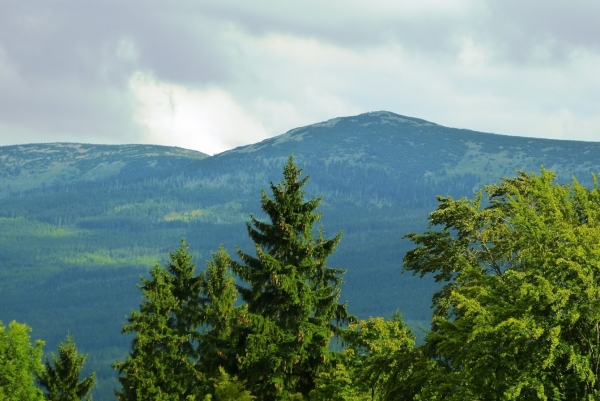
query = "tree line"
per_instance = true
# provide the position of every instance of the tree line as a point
(516, 316)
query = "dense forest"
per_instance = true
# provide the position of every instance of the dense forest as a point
(80, 224)
(516, 314)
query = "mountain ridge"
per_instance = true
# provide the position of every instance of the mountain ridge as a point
(76, 234)
(46, 164)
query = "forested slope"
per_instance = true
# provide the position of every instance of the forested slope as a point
(80, 223)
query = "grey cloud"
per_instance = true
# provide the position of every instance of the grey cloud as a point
(572, 23)
(73, 60)
(541, 31)
(71, 64)
(62, 111)
(183, 41)
(185, 48)
(518, 31)
(337, 23)
(75, 41)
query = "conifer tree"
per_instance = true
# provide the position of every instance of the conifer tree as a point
(60, 378)
(162, 363)
(292, 296)
(217, 349)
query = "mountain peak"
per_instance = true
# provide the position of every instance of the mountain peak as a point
(372, 117)
(387, 117)
(381, 117)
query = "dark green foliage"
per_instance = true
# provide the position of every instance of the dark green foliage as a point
(292, 296)
(189, 332)
(183, 333)
(162, 363)
(20, 363)
(217, 345)
(60, 378)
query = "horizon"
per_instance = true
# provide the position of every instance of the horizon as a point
(284, 133)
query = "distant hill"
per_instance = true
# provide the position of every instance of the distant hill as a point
(80, 223)
(24, 167)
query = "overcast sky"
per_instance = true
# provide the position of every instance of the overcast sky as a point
(213, 75)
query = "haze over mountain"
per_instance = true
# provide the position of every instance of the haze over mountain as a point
(80, 223)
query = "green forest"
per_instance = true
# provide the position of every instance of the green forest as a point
(516, 311)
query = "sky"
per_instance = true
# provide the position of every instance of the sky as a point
(213, 75)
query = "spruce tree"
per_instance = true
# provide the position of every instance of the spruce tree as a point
(217, 346)
(60, 378)
(162, 363)
(292, 296)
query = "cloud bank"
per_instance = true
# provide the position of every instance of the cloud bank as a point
(214, 75)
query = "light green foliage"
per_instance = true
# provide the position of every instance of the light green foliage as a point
(20, 362)
(290, 292)
(377, 351)
(380, 345)
(162, 361)
(20, 226)
(519, 315)
(228, 389)
(340, 382)
(60, 378)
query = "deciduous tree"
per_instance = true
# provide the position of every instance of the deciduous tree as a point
(374, 361)
(20, 363)
(518, 316)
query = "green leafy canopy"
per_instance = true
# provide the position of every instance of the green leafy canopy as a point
(518, 316)
(20, 363)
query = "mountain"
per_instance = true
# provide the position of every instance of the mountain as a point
(79, 224)
(24, 167)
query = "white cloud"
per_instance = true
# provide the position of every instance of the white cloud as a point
(232, 72)
(207, 120)
(470, 54)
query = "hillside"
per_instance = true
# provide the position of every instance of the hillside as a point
(80, 223)
(24, 167)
